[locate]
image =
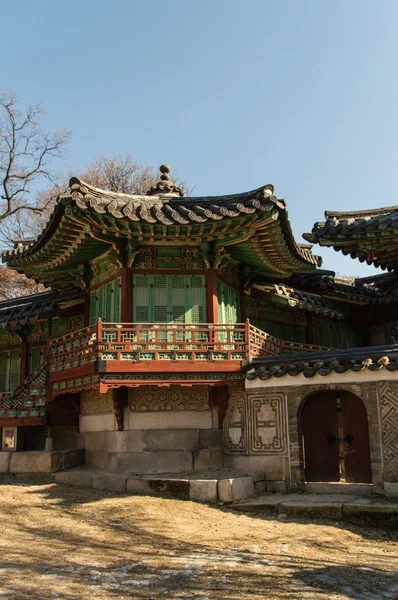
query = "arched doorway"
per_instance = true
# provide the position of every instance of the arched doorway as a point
(335, 440)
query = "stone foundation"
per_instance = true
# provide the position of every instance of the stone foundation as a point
(40, 462)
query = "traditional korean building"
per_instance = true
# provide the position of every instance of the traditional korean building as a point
(187, 333)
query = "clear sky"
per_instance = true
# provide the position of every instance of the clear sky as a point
(232, 93)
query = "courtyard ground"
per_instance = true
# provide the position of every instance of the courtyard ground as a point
(75, 543)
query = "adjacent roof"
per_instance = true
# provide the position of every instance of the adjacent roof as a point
(252, 227)
(372, 358)
(369, 235)
(377, 289)
(283, 294)
(30, 308)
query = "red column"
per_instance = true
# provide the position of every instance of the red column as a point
(211, 297)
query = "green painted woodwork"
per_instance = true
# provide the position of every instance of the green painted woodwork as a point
(169, 299)
(10, 364)
(290, 333)
(378, 335)
(228, 303)
(336, 334)
(59, 327)
(105, 302)
(37, 357)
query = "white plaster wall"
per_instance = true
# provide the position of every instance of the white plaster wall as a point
(97, 423)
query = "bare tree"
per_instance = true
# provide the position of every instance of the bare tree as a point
(14, 285)
(26, 154)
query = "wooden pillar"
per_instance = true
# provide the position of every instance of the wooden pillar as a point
(219, 397)
(211, 297)
(87, 308)
(310, 328)
(126, 295)
(24, 364)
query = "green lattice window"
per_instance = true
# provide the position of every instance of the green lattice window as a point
(37, 357)
(10, 365)
(169, 299)
(228, 303)
(105, 302)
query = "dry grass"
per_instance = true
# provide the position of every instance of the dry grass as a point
(60, 542)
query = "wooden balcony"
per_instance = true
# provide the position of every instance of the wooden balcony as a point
(114, 354)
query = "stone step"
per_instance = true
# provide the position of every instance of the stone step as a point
(339, 487)
(211, 488)
(340, 507)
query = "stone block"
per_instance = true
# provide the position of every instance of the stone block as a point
(125, 441)
(57, 461)
(73, 458)
(172, 439)
(276, 487)
(30, 462)
(259, 487)
(151, 462)
(78, 478)
(207, 459)
(237, 488)
(109, 481)
(184, 419)
(210, 439)
(315, 510)
(391, 489)
(258, 477)
(80, 441)
(95, 441)
(203, 490)
(97, 460)
(5, 458)
(96, 423)
(135, 485)
(272, 466)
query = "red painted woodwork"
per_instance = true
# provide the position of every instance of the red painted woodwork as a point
(211, 297)
(126, 296)
(356, 452)
(21, 421)
(318, 421)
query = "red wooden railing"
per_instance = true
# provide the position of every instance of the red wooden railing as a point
(169, 342)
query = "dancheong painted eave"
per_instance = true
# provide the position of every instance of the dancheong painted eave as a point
(369, 235)
(252, 227)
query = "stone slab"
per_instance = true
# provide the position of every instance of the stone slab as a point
(203, 490)
(126, 441)
(97, 460)
(5, 458)
(259, 487)
(135, 485)
(355, 489)
(230, 490)
(73, 458)
(172, 439)
(36, 462)
(109, 481)
(321, 510)
(77, 478)
(151, 462)
(95, 441)
(276, 487)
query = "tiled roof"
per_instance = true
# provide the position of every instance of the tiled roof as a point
(368, 235)
(30, 308)
(298, 298)
(342, 223)
(371, 358)
(378, 289)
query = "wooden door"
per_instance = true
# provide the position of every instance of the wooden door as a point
(319, 427)
(356, 439)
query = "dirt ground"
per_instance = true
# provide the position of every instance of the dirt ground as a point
(69, 543)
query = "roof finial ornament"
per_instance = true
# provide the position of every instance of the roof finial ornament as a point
(164, 186)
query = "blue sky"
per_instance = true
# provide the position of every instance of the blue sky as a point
(233, 94)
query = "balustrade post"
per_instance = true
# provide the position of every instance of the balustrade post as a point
(98, 344)
(247, 339)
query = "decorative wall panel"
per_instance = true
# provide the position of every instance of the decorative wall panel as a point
(388, 399)
(235, 423)
(255, 423)
(267, 419)
(94, 403)
(151, 398)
